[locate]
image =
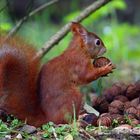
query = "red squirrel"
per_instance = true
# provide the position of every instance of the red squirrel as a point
(42, 94)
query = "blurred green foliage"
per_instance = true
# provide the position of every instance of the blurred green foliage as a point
(121, 39)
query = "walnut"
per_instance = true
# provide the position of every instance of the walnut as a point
(131, 110)
(109, 95)
(116, 90)
(105, 115)
(121, 98)
(135, 102)
(123, 88)
(127, 105)
(96, 100)
(116, 107)
(101, 61)
(104, 121)
(132, 92)
(100, 104)
(118, 117)
(138, 106)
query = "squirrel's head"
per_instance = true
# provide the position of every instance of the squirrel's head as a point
(88, 40)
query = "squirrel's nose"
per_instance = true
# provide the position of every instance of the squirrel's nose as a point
(102, 51)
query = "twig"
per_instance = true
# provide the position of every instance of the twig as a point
(86, 134)
(54, 133)
(64, 30)
(19, 24)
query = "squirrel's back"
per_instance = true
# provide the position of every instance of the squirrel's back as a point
(25, 53)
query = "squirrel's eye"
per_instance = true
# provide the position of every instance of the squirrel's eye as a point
(97, 42)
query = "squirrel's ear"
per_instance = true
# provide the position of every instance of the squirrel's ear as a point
(77, 28)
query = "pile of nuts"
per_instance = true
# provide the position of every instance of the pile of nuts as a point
(120, 103)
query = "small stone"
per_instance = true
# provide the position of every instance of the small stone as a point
(122, 129)
(19, 136)
(125, 126)
(29, 129)
(90, 119)
(136, 131)
(8, 136)
(68, 137)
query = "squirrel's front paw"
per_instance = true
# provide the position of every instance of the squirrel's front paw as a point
(108, 69)
(104, 65)
(109, 66)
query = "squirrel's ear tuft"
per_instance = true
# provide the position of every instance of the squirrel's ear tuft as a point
(77, 28)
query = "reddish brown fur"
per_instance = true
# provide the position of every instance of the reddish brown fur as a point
(18, 76)
(58, 83)
(61, 77)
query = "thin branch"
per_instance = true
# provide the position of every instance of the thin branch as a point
(86, 134)
(19, 24)
(64, 30)
(54, 133)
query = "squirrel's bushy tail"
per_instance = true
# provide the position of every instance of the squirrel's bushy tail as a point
(18, 79)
